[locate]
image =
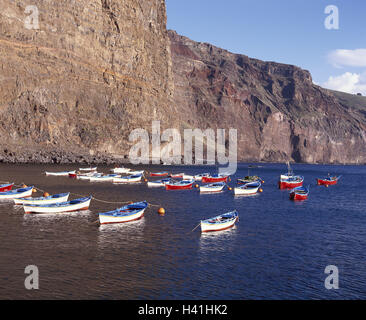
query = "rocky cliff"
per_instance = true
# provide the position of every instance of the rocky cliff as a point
(74, 86)
(91, 72)
(280, 114)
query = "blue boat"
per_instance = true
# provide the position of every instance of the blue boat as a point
(221, 222)
(130, 212)
(17, 193)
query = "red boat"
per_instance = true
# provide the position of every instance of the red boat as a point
(329, 181)
(6, 187)
(177, 175)
(179, 185)
(291, 182)
(159, 174)
(73, 175)
(299, 193)
(215, 178)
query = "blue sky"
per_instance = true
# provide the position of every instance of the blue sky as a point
(286, 31)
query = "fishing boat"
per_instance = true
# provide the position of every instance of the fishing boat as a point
(61, 207)
(60, 174)
(248, 188)
(133, 173)
(159, 174)
(87, 176)
(199, 177)
(130, 212)
(188, 177)
(179, 185)
(176, 175)
(128, 179)
(299, 193)
(121, 170)
(88, 169)
(328, 181)
(103, 178)
(159, 183)
(291, 182)
(215, 178)
(221, 222)
(213, 187)
(56, 198)
(16, 193)
(6, 187)
(248, 179)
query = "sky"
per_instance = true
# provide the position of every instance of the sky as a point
(306, 33)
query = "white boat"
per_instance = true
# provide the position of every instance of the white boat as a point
(188, 177)
(213, 187)
(87, 176)
(121, 170)
(60, 174)
(221, 222)
(159, 183)
(69, 206)
(128, 179)
(16, 193)
(109, 177)
(62, 197)
(88, 169)
(130, 212)
(199, 177)
(248, 188)
(136, 172)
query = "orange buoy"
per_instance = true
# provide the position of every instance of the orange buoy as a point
(34, 190)
(161, 211)
(326, 186)
(230, 188)
(24, 186)
(197, 185)
(260, 190)
(262, 181)
(145, 180)
(46, 194)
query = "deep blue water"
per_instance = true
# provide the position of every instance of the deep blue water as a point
(278, 250)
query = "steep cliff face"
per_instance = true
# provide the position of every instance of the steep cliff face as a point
(279, 113)
(93, 71)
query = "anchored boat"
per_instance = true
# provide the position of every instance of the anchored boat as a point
(6, 187)
(159, 174)
(108, 177)
(299, 193)
(291, 182)
(88, 169)
(179, 185)
(121, 170)
(63, 173)
(61, 207)
(248, 189)
(16, 193)
(159, 183)
(328, 181)
(176, 175)
(249, 179)
(199, 177)
(131, 212)
(213, 187)
(56, 198)
(215, 178)
(221, 222)
(128, 179)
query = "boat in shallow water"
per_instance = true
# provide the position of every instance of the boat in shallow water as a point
(130, 212)
(159, 183)
(179, 185)
(221, 222)
(62, 197)
(104, 178)
(299, 193)
(60, 174)
(328, 181)
(6, 187)
(128, 179)
(61, 207)
(248, 188)
(213, 187)
(88, 169)
(159, 174)
(120, 170)
(215, 178)
(16, 193)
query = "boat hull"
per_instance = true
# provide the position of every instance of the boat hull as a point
(214, 179)
(289, 185)
(297, 196)
(6, 187)
(16, 195)
(178, 187)
(59, 174)
(325, 182)
(127, 180)
(211, 227)
(41, 202)
(108, 219)
(212, 188)
(240, 191)
(163, 174)
(120, 170)
(70, 208)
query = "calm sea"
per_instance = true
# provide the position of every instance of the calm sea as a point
(278, 250)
